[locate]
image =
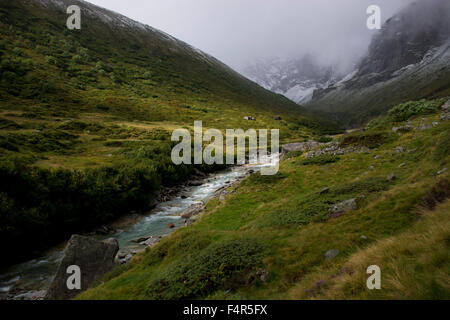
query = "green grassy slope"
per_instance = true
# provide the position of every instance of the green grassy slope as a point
(86, 117)
(281, 225)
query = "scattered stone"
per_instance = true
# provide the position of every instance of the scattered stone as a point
(399, 149)
(391, 177)
(249, 118)
(435, 123)
(402, 165)
(141, 239)
(32, 295)
(445, 117)
(446, 106)
(330, 254)
(193, 210)
(93, 257)
(299, 146)
(406, 128)
(121, 255)
(170, 225)
(324, 191)
(195, 183)
(372, 167)
(363, 237)
(263, 275)
(376, 157)
(342, 207)
(199, 173)
(442, 171)
(105, 230)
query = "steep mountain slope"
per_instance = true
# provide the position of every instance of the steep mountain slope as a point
(294, 78)
(111, 52)
(408, 59)
(86, 118)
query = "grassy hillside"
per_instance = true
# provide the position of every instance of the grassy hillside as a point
(271, 237)
(86, 118)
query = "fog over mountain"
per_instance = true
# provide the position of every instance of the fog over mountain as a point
(238, 32)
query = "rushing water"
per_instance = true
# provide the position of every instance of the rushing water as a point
(36, 275)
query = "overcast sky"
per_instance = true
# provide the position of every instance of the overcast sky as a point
(238, 31)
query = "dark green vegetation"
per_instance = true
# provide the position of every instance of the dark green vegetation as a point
(86, 118)
(284, 226)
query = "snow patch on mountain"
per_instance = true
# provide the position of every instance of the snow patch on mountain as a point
(297, 79)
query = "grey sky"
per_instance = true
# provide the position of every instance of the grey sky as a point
(237, 31)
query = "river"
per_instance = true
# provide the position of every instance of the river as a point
(31, 279)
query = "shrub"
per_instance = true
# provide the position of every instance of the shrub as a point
(225, 264)
(405, 111)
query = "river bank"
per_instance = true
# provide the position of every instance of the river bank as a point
(31, 279)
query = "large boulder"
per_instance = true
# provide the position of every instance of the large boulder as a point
(93, 257)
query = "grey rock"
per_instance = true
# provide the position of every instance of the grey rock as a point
(324, 190)
(122, 255)
(263, 275)
(141, 239)
(402, 165)
(193, 210)
(445, 117)
(93, 257)
(363, 237)
(442, 171)
(32, 295)
(391, 177)
(446, 106)
(330, 254)
(344, 206)
(299, 146)
(399, 149)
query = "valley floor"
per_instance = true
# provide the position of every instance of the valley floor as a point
(312, 230)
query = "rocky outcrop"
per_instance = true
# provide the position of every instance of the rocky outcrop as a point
(333, 148)
(299, 146)
(94, 258)
(193, 210)
(343, 207)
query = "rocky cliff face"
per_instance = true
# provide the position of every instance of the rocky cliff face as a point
(408, 59)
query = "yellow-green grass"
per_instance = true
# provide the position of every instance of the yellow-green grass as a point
(286, 216)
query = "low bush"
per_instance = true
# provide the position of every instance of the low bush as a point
(405, 111)
(225, 264)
